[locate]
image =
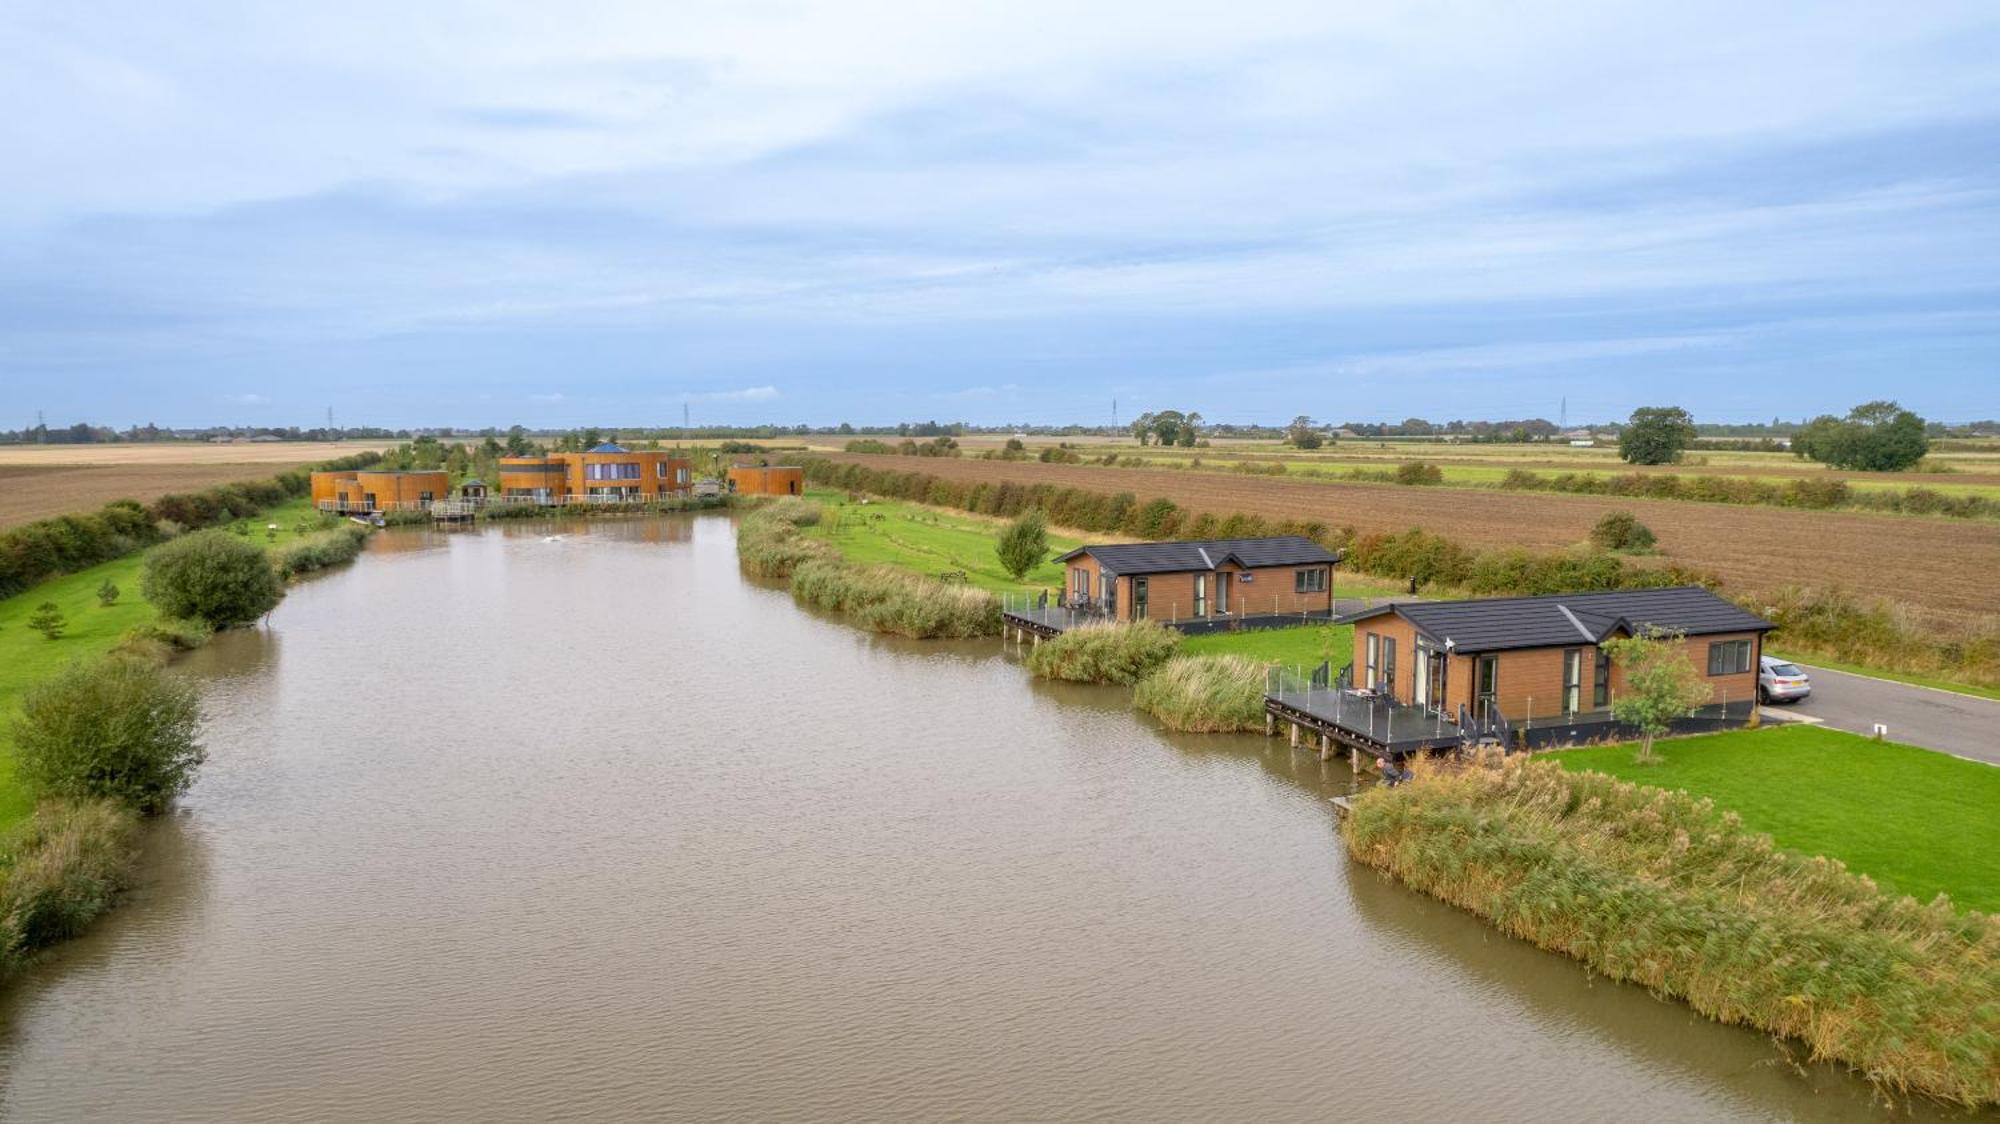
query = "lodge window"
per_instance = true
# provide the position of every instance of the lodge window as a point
(1201, 595)
(1600, 689)
(1079, 582)
(1309, 581)
(622, 470)
(1729, 657)
(1374, 662)
(1138, 598)
(659, 470)
(1389, 665)
(1572, 680)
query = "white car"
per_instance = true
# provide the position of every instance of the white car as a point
(1778, 681)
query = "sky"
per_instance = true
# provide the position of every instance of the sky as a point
(599, 213)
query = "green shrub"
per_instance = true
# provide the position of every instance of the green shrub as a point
(1205, 694)
(1023, 545)
(178, 635)
(1419, 472)
(107, 593)
(1661, 889)
(1105, 653)
(48, 620)
(212, 576)
(1621, 531)
(116, 729)
(328, 548)
(768, 542)
(59, 871)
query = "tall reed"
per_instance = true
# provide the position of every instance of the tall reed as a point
(1205, 694)
(1661, 889)
(882, 599)
(59, 871)
(1105, 653)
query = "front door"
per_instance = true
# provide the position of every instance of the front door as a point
(1201, 595)
(1486, 680)
(1222, 594)
(1440, 662)
(1138, 599)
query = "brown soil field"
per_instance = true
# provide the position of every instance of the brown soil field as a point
(1946, 565)
(37, 482)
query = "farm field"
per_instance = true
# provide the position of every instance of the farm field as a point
(928, 541)
(1924, 562)
(27, 657)
(1916, 821)
(1974, 468)
(42, 481)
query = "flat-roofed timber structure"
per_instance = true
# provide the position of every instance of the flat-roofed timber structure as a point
(608, 473)
(1198, 586)
(360, 490)
(767, 480)
(1530, 671)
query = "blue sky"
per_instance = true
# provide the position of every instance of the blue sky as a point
(583, 213)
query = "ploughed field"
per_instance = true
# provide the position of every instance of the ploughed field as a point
(1944, 565)
(37, 482)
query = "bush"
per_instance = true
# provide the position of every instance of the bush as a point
(328, 548)
(212, 576)
(58, 872)
(115, 729)
(177, 635)
(107, 594)
(1205, 694)
(1621, 531)
(1105, 653)
(1419, 472)
(1024, 544)
(1661, 889)
(48, 620)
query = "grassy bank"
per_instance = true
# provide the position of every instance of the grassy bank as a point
(59, 869)
(93, 629)
(773, 542)
(928, 542)
(1918, 822)
(1664, 890)
(1105, 653)
(1205, 694)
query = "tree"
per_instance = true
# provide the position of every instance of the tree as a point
(117, 728)
(1303, 434)
(1622, 531)
(212, 576)
(1656, 435)
(48, 620)
(1661, 684)
(1874, 437)
(1024, 544)
(107, 594)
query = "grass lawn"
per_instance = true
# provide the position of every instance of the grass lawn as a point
(1303, 647)
(26, 656)
(1916, 821)
(928, 540)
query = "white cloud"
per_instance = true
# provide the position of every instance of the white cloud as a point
(549, 399)
(746, 394)
(247, 399)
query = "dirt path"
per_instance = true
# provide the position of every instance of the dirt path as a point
(1948, 565)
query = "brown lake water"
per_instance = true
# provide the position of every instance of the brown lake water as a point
(498, 825)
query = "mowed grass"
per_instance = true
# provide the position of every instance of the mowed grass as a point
(1918, 822)
(27, 657)
(1304, 647)
(928, 541)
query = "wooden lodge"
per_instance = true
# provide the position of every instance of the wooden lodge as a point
(1197, 586)
(1517, 671)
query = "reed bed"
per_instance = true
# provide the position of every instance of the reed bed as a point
(883, 599)
(768, 542)
(1661, 889)
(325, 549)
(878, 598)
(1205, 694)
(1105, 653)
(58, 872)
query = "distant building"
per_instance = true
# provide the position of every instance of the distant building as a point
(362, 490)
(767, 480)
(1217, 580)
(607, 473)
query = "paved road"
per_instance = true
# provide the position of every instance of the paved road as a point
(1954, 723)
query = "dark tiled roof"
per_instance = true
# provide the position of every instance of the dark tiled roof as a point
(1171, 557)
(1568, 619)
